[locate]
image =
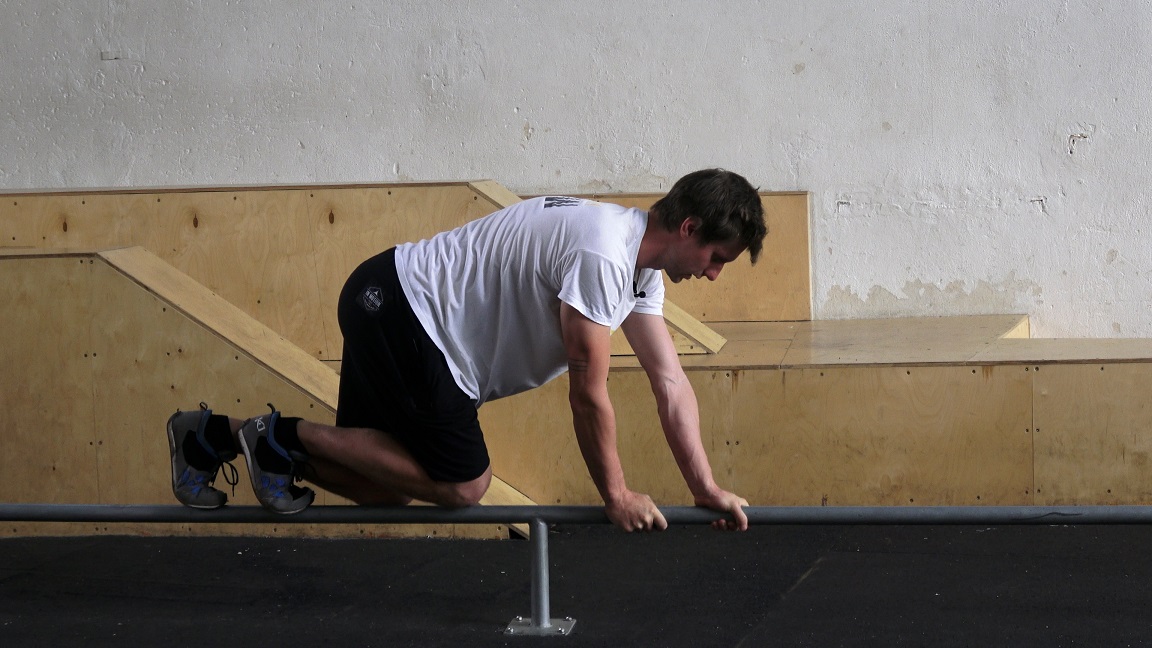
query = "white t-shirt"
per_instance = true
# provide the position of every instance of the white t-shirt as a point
(488, 293)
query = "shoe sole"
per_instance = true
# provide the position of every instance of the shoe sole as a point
(252, 473)
(175, 477)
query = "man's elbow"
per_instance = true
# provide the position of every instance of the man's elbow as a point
(589, 402)
(668, 384)
(582, 404)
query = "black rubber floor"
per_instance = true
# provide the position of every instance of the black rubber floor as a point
(689, 586)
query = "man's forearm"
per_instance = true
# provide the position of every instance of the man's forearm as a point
(680, 419)
(587, 345)
(595, 426)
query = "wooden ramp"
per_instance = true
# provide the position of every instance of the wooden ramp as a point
(110, 343)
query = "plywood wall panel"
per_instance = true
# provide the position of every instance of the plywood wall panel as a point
(648, 463)
(48, 449)
(533, 448)
(846, 436)
(255, 250)
(1093, 441)
(47, 221)
(883, 436)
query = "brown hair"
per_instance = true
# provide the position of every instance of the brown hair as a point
(724, 204)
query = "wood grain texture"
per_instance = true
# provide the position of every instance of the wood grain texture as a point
(1092, 433)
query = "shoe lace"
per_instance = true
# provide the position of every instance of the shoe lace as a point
(231, 475)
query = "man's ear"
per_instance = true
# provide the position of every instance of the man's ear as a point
(688, 227)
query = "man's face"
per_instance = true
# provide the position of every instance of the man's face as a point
(691, 259)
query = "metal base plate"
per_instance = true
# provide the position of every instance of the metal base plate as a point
(521, 626)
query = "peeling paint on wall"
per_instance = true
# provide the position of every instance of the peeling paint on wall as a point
(919, 298)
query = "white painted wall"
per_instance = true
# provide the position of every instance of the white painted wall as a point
(964, 157)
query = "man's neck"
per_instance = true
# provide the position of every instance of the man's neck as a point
(653, 244)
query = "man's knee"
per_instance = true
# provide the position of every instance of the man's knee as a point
(466, 493)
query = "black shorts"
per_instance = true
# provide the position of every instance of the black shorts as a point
(393, 377)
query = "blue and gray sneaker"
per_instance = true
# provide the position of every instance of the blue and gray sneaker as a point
(192, 484)
(272, 468)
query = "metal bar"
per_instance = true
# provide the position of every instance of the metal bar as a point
(541, 614)
(580, 514)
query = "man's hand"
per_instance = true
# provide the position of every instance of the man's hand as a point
(635, 512)
(730, 503)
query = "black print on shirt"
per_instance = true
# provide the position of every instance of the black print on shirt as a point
(560, 201)
(371, 299)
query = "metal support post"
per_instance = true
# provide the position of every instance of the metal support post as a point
(539, 624)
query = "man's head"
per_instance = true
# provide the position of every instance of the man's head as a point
(724, 206)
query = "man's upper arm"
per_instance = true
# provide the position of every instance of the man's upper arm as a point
(586, 343)
(648, 335)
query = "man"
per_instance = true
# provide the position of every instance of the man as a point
(500, 305)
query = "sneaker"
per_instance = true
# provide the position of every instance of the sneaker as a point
(193, 485)
(272, 468)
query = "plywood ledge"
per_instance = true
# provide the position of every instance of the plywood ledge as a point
(188, 189)
(685, 346)
(690, 336)
(1023, 329)
(693, 328)
(25, 252)
(495, 193)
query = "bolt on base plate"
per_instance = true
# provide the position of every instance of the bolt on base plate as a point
(522, 626)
